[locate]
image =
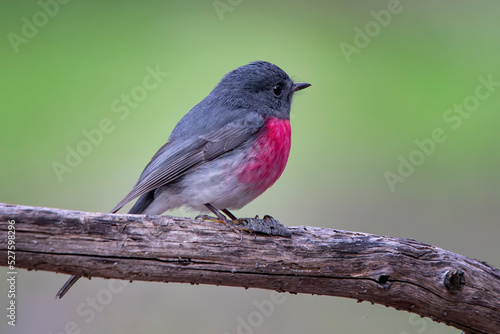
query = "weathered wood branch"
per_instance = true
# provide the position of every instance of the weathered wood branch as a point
(400, 273)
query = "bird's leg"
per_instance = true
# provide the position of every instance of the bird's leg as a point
(235, 224)
(229, 214)
(234, 221)
(220, 218)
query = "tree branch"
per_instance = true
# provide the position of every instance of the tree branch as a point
(400, 273)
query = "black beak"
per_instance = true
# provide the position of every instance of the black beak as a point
(300, 86)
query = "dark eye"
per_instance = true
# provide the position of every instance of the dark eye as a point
(277, 90)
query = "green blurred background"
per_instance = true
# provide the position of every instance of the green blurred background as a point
(349, 128)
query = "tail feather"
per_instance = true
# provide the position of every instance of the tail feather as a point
(142, 203)
(69, 283)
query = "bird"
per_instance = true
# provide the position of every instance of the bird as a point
(225, 152)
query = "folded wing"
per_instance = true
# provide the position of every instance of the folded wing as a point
(179, 155)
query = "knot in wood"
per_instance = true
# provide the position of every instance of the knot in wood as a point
(454, 279)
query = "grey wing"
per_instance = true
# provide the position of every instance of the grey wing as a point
(181, 154)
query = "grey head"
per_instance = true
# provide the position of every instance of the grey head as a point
(259, 87)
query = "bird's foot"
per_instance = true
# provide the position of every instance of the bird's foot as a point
(222, 220)
(267, 225)
(207, 217)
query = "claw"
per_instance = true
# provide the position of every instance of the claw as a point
(219, 219)
(206, 217)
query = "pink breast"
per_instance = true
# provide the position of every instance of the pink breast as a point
(268, 157)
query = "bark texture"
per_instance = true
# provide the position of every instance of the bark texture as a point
(399, 273)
